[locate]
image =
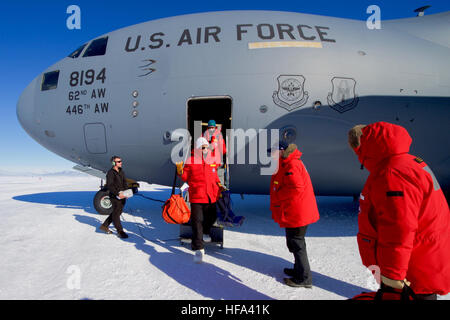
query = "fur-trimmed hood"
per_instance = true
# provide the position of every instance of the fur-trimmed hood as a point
(291, 152)
(378, 141)
(354, 136)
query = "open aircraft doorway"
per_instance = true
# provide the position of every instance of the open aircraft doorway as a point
(217, 108)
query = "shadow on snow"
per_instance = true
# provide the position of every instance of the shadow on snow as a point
(338, 215)
(338, 218)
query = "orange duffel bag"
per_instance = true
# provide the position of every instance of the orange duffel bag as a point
(175, 209)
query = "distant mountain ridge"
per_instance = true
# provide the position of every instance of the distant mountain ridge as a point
(41, 173)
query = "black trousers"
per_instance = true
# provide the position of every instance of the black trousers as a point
(295, 240)
(114, 217)
(203, 216)
(426, 296)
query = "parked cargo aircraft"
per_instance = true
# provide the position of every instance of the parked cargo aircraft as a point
(312, 77)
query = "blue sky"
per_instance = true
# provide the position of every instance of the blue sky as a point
(34, 35)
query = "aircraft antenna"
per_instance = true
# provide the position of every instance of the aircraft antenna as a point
(421, 11)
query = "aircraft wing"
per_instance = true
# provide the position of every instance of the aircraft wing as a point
(91, 171)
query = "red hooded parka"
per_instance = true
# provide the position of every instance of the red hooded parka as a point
(404, 219)
(217, 141)
(202, 179)
(292, 199)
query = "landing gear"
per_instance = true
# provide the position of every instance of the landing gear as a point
(102, 202)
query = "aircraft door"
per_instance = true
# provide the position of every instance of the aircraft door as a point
(203, 109)
(95, 138)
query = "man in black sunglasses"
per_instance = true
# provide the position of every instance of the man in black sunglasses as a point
(116, 183)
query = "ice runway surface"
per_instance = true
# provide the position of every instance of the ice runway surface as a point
(52, 249)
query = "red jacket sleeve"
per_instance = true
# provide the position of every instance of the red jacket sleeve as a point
(397, 205)
(186, 172)
(294, 177)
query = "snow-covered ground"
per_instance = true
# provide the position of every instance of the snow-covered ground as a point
(51, 249)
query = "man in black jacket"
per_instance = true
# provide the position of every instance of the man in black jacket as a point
(116, 182)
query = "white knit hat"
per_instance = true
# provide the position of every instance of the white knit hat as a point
(201, 142)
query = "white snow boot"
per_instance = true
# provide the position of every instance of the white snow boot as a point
(198, 255)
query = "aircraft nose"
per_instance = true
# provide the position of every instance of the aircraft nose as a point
(25, 107)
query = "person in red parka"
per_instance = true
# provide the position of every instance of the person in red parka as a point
(218, 148)
(204, 188)
(294, 207)
(404, 219)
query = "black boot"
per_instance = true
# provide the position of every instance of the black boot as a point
(292, 282)
(289, 272)
(122, 235)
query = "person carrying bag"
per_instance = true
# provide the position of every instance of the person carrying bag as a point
(204, 189)
(175, 209)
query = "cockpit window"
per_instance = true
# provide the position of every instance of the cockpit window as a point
(97, 47)
(50, 80)
(77, 52)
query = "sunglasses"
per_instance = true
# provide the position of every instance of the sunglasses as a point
(204, 148)
(118, 161)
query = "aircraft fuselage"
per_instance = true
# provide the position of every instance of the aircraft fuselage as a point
(312, 77)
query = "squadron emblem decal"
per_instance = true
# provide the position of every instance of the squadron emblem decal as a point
(146, 69)
(343, 97)
(291, 94)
